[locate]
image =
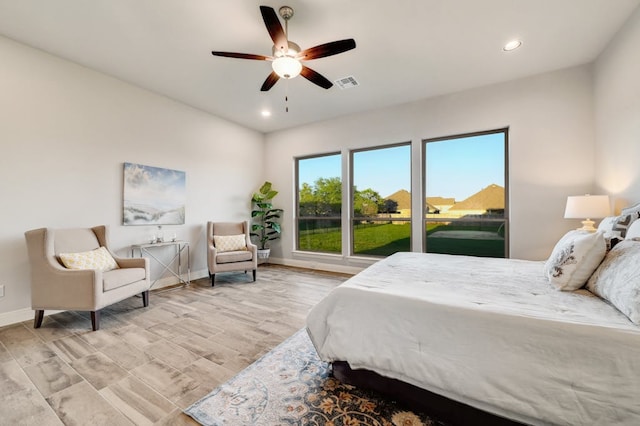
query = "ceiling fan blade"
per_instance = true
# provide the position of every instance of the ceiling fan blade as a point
(270, 81)
(327, 49)
(242, 55)
(275, 28)
(315, 77)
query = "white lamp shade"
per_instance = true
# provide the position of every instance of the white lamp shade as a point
(587, 207)
(286, 67)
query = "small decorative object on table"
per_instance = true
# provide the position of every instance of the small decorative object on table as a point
(160, 238)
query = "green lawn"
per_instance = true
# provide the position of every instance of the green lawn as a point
(327, 240)
(381, 239)
(386, 239)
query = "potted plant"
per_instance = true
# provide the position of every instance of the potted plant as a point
(265, 226)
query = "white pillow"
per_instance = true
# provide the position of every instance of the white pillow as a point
(634, 230)
(99, 258)
(634, 211)
(230, 242)
(625, 220)
(606, 226)
(617, 279)
(574, 258)
(622, 223)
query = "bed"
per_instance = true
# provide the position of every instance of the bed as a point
(488, 333)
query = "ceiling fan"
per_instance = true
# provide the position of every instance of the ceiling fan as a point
(287, 57)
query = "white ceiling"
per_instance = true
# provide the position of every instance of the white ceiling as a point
(406, 49)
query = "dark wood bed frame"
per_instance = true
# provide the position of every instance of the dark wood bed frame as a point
(417, 399)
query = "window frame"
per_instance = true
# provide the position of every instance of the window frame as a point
(351, 205)
(297, 216)
(423, 174)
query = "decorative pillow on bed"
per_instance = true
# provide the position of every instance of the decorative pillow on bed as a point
(617, 279)
(99, 258)
(626, 218)
(633, 210)
(621, 224)
(574, 258)
(606, 226)
(611, 242)
(634, 231)
(230, 242)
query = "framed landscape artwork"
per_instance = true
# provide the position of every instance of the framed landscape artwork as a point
(153, 195)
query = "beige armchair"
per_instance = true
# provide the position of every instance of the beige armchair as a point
(233, 257)
(55, 287)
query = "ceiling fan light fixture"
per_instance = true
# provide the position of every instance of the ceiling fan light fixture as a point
(286, 67)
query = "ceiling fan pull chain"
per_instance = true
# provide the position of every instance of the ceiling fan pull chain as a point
(286, 96)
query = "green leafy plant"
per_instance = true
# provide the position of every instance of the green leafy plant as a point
(265, 226)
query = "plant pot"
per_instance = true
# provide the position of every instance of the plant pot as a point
(264, 253)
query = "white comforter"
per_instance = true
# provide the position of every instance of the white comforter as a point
(492, 333)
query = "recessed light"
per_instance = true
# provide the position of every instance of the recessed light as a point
(512, 45)
(266, 113)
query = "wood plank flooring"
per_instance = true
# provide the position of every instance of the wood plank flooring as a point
(145, 365)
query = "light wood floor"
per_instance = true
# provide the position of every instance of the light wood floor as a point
(145, 365)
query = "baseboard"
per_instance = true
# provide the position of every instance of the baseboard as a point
(20, 315)
(171, 280)
(202, 273)
(316, 266)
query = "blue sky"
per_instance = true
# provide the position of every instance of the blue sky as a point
(456, 168)
(461, 167)
(383, 170)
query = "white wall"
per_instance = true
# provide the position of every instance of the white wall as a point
(66, 132)
(617, 97)
(551, 147)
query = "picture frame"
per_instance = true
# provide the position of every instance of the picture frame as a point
(153, 195)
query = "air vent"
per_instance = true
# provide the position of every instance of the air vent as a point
(347, 82)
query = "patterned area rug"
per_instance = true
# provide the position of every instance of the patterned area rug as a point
(291, 386)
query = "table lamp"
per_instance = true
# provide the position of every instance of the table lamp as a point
(587, 207)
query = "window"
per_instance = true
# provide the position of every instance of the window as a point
(319, 203)
(466, 201)
(381, 200)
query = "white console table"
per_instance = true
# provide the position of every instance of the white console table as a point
(180, 246)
